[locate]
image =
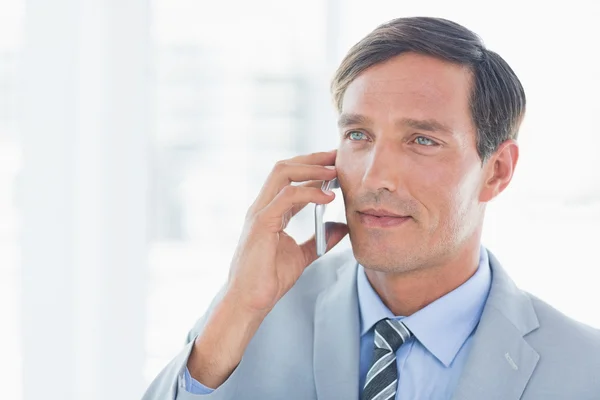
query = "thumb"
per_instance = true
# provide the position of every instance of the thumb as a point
(334, 232)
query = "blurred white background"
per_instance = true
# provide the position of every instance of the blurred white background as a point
(134, 135)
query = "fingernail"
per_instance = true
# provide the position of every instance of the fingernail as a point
(330, 166)
(328, 192)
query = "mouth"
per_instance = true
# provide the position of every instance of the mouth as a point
(381, 218)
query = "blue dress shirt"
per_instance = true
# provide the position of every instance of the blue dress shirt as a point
(431, 361)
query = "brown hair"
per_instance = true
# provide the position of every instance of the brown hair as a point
(497, 99)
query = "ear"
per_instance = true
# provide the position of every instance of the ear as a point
(499, 170)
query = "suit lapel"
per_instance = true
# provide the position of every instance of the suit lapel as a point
(337, 338)
(501, 361)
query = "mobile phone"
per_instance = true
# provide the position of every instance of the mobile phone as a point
(320, 234)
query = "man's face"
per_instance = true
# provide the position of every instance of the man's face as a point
(408, 148)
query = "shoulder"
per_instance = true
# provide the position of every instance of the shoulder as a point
(567, 345)
(554, 325)
(550, 331)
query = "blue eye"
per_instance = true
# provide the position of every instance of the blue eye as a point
(422, 140)
(356, 135)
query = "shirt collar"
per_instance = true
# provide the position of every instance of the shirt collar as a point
(443, 326)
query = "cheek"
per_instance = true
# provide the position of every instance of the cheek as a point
(444, 192)
(457, 195)
(349, 169)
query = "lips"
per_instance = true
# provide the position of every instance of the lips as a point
(381, 213)
(381, 218)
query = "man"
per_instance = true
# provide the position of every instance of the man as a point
(428, 122)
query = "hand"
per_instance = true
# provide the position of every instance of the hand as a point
(266, 264)
(267, 261)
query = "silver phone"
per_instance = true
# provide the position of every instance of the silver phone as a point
(320, 234)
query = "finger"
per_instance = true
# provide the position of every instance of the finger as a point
(319, 158)
(273, 216)
(278, 175)
(285, 173)
(334, 231)
(299, 207)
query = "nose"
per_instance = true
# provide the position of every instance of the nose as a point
(381, 172)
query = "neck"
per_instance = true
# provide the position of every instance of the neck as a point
(406, 293)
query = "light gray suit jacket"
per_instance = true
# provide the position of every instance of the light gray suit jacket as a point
(308, 347)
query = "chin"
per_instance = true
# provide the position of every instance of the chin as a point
(386, 255)
(388, 263)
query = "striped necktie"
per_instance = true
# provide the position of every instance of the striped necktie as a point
(382, 379)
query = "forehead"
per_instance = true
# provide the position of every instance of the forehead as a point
(415, 86)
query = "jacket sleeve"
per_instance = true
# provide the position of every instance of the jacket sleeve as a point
(169, 384)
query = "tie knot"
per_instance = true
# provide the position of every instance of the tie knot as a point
(390, 334)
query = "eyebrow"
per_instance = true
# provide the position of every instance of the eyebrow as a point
(348, 119)
(429, 125)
